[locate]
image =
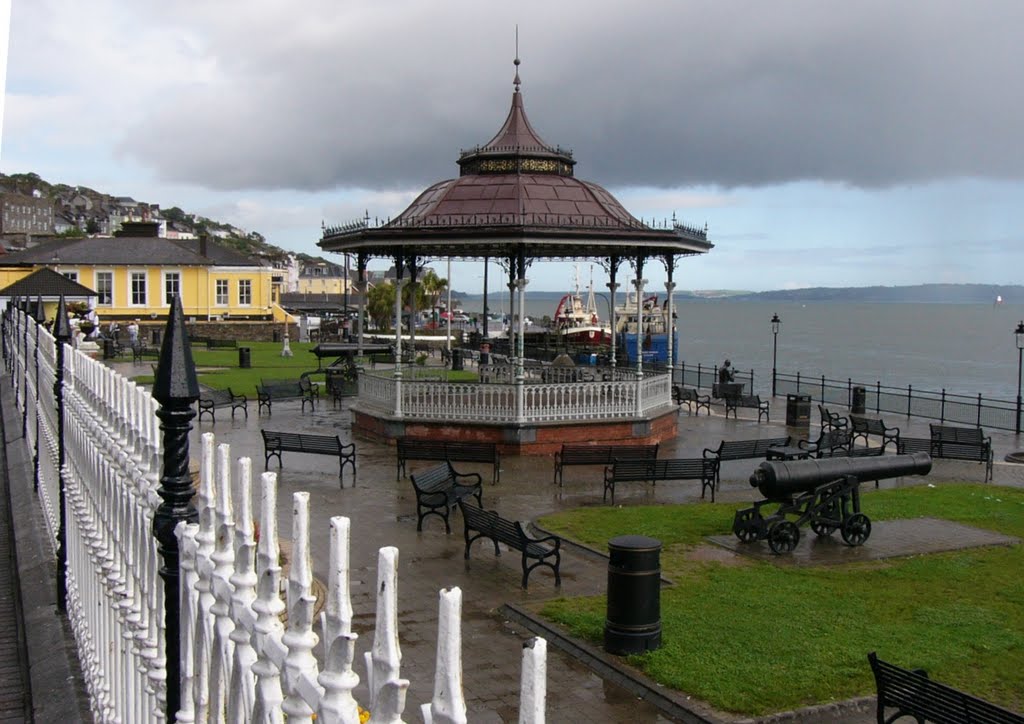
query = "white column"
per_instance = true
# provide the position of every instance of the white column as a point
(671, 327)
(612, 286)
(399, 285)
(520, 366)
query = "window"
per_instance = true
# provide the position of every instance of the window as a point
(245, 292)
(221, 297)
(138, 288)
(72, 275)
(105, 288)
(172, 286)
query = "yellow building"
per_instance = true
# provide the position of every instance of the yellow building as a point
(135, 274)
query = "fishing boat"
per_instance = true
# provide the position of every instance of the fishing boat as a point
(653, 326)
(577, 321)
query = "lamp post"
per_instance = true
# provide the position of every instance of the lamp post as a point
(776, 323)
(1019, 337)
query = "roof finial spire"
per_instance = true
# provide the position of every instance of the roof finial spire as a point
(517, 82)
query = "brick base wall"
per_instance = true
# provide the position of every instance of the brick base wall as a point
(519, 440)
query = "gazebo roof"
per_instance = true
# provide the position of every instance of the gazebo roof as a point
(516, 191)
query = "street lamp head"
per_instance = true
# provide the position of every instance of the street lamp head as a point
(776, 323)
(1019, 335)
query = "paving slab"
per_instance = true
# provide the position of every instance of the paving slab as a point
(888, 539)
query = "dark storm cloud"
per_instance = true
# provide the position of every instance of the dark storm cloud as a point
(660, 93)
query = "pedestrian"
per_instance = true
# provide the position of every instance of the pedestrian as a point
(725, 373)
(133, 332)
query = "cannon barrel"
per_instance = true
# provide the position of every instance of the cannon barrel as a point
(781, 480)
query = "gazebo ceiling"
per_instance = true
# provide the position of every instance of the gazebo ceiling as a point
(515, 193)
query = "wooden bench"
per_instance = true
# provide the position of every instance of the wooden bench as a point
(952, 443)
(274, 443)
(268, 391)
(221, 344)
(753, 401)
(439, 490)
(913, 694)
(628, 471)
(488, 524)
(572, 454)
(209, 400)
(743, 450)
(861, 427)
(689, 397)
(309, 392)
(832, 420)
(452, 451)
(833, 442)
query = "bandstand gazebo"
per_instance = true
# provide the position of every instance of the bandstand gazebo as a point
(517, 200)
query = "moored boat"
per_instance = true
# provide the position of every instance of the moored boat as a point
(577, 322)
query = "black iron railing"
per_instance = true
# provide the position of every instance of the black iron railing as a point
(946, 407)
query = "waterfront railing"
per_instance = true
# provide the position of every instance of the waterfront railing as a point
(877, 398)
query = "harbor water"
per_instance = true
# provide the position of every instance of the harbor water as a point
(963, 348)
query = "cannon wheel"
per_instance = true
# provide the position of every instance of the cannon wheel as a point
(783, 537)
(745, 528)
(823, 529)
(856, 529)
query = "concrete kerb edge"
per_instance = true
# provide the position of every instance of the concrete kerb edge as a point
(609, 669)
(52, 671)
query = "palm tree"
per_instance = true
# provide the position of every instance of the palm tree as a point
(433, 287)
(380, 304)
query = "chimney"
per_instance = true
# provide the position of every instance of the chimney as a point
(203, 240)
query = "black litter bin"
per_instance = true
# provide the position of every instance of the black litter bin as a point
(244, 358)
(109, 349)
(457, 359)
(633, 622)
(798, 410)
(277, 335)
(155, 337)
(859, 401)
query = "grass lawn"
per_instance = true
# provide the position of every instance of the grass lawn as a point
(754, 638)
(218, 368)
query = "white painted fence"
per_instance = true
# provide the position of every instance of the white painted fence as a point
(239, 663)
(496, 402)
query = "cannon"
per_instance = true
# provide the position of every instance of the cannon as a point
(825, 493)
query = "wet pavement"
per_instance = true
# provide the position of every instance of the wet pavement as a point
(382, 510)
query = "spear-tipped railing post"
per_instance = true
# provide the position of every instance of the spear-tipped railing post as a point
(175, 389)
(40, 318)
(62, 332)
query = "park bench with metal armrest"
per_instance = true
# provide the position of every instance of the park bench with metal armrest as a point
(439, 490)
(573, 454)
(651, 471)
(274, 443)
(450, 450)
(209, 400)
(913, 694)
(732, 404)
(545, 551)
(832, 420)
(953, 443)
(861, 427)
(743, 450)
(269, 390)
(690, 397)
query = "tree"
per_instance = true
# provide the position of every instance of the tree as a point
(433, 287)
(380, 304)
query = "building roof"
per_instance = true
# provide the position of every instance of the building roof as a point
(121, 250)
(49, 285)
(517, 191)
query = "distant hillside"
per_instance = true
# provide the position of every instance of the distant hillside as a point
(920, 293)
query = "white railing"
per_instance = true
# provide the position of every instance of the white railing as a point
(545, 402)
(241, 664)
(238, 662)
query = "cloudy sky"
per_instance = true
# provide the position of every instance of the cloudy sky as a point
(823, 142)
